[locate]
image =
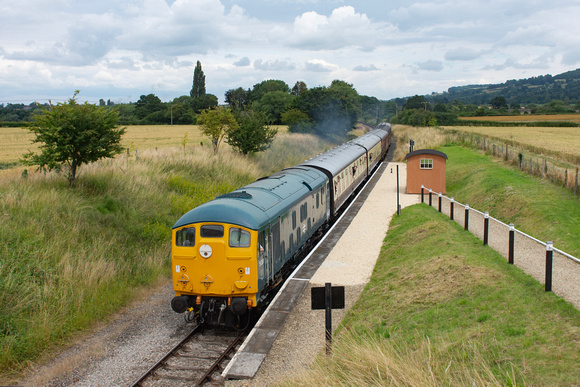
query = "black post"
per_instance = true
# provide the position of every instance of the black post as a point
(398, 206)
(430, 197)
(451, 209)
(466, 226)
(439, 201)
(485, 228)
(511, 248)
(422, 201)
(549, 256)
(328, 308)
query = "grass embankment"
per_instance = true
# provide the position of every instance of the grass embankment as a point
(70, 257)
(441, 309)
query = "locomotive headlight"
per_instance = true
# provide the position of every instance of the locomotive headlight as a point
(205, 251)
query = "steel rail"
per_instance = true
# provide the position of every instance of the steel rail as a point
(151, 370)
(207, 376)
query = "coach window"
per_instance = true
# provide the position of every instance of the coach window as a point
(426, 163)
(239, 237)
(317, 200)
(212, 231)
(293, 220)
(185, 237)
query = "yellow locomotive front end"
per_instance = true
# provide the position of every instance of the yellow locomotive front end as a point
(215, 272)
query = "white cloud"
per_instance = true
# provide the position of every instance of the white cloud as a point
(320, 66)
(245, 61)
(273, 65)
(462, 54)
(343, 28)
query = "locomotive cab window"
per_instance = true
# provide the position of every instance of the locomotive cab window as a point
(426, 163)
(239, 237)
(212, 231)
(185, 237)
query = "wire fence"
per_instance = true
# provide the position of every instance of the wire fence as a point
(514, 154)
(556, 269)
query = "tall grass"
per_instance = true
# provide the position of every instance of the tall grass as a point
(70, 257)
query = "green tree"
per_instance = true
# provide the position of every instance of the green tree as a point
(216, 124)
(299, 88)
(297, 120)
(206, 101)
(499, 102)
(273, 104)
(238, 98)
(147, 105)
(198, 88)
(332, 111)
(252, 135)
(416, 102)
(180, 111)
(73, 134)
(267, 86)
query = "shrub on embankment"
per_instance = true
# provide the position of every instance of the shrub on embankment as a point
(442, 309)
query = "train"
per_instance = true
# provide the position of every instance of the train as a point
(229, 254)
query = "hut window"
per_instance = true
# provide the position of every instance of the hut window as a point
(426, 163)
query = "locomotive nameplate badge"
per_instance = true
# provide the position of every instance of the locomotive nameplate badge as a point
(205, 251)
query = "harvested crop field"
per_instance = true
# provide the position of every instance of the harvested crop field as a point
(527, 118)
(563, 140)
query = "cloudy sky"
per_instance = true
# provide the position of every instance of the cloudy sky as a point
(121, 49)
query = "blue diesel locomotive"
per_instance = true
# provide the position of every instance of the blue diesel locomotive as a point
(230, 253)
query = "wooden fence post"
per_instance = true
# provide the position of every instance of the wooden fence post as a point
(576, 185)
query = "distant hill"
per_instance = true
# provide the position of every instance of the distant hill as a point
(538, 90)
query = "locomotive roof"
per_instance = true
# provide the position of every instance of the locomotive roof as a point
(255, 204)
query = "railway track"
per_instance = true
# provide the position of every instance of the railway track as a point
(195, 361)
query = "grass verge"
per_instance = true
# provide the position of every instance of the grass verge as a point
(441, 309)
